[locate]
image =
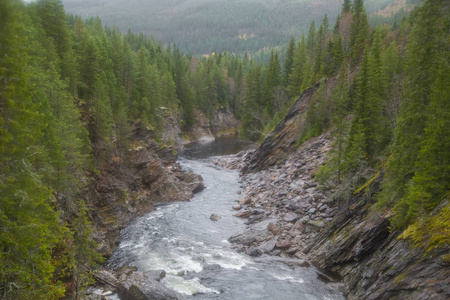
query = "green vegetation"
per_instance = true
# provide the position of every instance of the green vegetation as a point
(206, 26)
(69, 90)
(393, 119)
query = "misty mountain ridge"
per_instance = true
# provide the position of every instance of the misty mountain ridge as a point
(205, 26)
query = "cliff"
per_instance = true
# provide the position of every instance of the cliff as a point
(281, 141)
(354, 245)
(127, 187)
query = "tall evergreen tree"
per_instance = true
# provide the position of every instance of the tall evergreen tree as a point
(272, 80)
(426, 50)
(253, 116)
(311, 40)
(288, 61)
(30, 227)
(346, 6)
(359, 30)
(298, 68)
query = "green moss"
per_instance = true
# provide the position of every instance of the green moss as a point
(446, 258)
(366, 185)
(399, 278)
(124, 193)
(430, 232)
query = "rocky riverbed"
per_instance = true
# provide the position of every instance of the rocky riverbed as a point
(283, 206)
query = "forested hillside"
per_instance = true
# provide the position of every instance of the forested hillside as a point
(388, 113)
(206, 26)
(70, 90)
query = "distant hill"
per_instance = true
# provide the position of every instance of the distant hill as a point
(205, 26)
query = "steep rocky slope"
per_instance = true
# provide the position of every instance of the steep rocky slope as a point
(281, 141)
(290, 216)
(127, 188)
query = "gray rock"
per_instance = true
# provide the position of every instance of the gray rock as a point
(294, 205)
(290, 217)
(255, 233)
(323, 207)
(317, 223)
(215, 217)
(293, 262)
(282, 193)
(304, 219)
(312, 211)
(145, 286)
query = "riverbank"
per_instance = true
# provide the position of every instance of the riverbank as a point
(181, 239)
(289, 217)
(286, 194)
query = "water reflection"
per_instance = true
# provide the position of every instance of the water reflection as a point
(221, 146)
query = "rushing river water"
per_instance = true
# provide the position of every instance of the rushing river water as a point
(181, 239)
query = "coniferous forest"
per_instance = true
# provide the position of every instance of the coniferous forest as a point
(237, 26)
(69, 89)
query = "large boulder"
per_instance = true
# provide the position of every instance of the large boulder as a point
(145, 286)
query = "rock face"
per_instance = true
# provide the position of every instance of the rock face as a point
(204, 130)
(201, 130)
(374, 263)
(127, 188)
(281, 141)
(224, 122)
(171, 133)
(133, 285)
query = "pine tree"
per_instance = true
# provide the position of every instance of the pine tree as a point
(296, 77)
(361, 129)
(311, 40)
(84, 250)
(30, 227)
(252, 116)
(187, 103)
(426, 48)
(272, 80)
(346, 6)
(319, 53)
(326, 25)
(359, 30)
(307, 74)
(340, 105)
(288, 62)
(431, 181)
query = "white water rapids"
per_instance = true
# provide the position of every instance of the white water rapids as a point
(181, 239)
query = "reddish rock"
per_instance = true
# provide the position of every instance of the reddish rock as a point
(244, 214)
(284, 244)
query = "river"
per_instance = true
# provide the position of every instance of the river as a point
(181, 239)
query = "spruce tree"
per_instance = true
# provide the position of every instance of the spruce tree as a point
(359, 30)
(253, 116)
(426, 48)
(296, 77)
(346, 6)
(311, 40)
(272, 80)
(431, 181)
(288, 61)
(30, 227)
